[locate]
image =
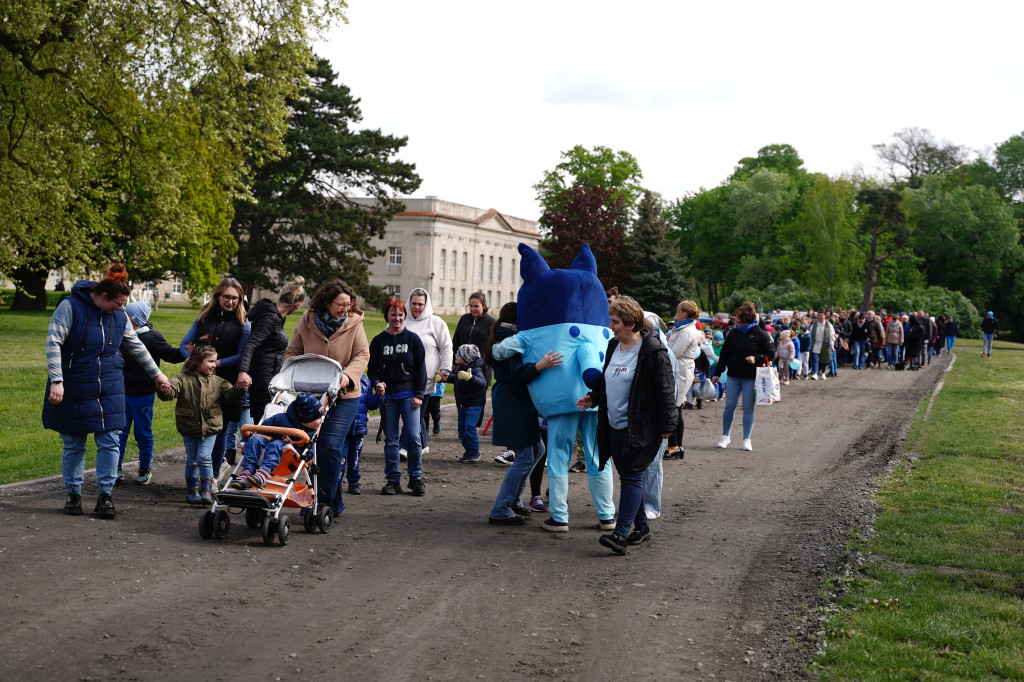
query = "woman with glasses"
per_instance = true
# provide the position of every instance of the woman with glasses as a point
(222, 324)
(333, 328)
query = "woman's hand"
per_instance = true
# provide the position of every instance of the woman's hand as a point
(416, 403)
(585, 403)
(750, 359)
(56, 396)
(380, 388)
(244, 381)
(550, 359)
(162, 384)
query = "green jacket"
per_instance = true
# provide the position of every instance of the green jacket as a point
(198, 412)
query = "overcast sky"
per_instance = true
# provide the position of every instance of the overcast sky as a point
(490, 93)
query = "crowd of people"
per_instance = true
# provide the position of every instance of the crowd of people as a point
(103, 358)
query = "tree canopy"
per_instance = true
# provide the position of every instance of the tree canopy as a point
(618, 172)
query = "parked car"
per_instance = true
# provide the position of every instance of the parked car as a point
(721, 320)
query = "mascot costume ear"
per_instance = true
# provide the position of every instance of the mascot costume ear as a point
(566, 311)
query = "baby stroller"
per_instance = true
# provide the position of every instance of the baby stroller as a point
(294, 482)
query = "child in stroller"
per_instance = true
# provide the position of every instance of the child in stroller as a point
(262, 453)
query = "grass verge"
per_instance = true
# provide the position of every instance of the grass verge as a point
(29, 451)
(940, 595)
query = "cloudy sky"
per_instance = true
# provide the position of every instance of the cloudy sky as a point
(490, 93)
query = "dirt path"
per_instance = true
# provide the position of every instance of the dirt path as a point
(423, 588)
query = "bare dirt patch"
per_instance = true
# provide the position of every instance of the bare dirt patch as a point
(423, 588)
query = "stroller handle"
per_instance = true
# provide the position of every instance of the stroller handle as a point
(295, 434)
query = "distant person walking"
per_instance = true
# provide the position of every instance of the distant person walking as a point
(952, 329)
(746, 348)
(989, 331)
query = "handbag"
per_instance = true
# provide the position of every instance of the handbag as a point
(767, 387)
(843, 343)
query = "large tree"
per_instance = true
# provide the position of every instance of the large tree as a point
(586, 213)
(704, 234)
(302, 220)
(129, 126)
(616, 171)
(657, 274)
(914, 154)
(881, 233)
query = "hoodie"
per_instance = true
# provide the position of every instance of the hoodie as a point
(397, 360)
(433, 333)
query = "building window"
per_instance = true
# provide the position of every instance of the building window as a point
(442, 268)
(480, 270)
(393, 289)
(394, 255)
(451, 297)
(465, 263)
(490, 269)
(463, 296)
(497, 301)
(499, 270)
(177, 289)
(513, 271)
(489, 296)
(511, 295)
(440, 296)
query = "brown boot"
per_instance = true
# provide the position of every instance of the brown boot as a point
(206, 491)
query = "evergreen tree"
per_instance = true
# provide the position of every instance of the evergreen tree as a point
(657, 276)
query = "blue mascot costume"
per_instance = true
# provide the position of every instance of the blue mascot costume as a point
(565, 311)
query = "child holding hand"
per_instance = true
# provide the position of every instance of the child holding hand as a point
(199, 418)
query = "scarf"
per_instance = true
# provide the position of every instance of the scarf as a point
(684, 323)
(744, 328)
(509, 326)
(328, 324)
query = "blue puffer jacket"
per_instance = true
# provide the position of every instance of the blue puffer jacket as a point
(367, 401)
(92, 367)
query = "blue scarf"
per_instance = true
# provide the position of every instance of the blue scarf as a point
(684, 322)
(744, 328)
(328, 324)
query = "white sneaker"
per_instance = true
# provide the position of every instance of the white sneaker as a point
(402, 455)
(823, 377)
(426, 450)
(747, 445)
(506, 458)
(814, 377)
(724, 441)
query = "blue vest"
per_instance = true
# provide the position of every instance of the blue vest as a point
(93, 370)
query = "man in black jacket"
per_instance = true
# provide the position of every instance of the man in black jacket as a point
(989, 331)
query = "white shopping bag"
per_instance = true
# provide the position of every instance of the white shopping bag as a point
(767, 386)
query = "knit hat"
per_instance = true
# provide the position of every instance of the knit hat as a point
(469, 353)
(307, 408)
(990, 314)
(138, 312)
(718, 336)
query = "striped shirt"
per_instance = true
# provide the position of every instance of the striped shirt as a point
(57, 334)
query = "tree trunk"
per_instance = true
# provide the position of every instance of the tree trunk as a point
(31, 289)
(868, 301)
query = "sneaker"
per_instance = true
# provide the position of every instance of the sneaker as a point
(120, 475)
(240, 483)
(606, 524)
(638, 536)
(469, 458)
(506, 458)
(747, 445)
(579, 466)
(687, 406)
(814, 377)
(555, 526)
(257, 479)
(510, 521)
(425, 450)
(522, 510)
(73, 506)
(402, 455)
(537, 504)
(417, 487)
(391, 488)
(724, 441)
(144, 477)
(355, 490)
(616, 543)
(823, 378)
(105, 507)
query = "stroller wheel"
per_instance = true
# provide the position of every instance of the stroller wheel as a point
(253, 517)
(269, 526)
(284, 530)
(309, 521)
(221, 523)
(324, 518)
(206, 525)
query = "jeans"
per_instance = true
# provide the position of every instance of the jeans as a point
(468, 417)
(950, 340)
(138, 411)
(815, 363)
(198, 457)
(654, 475)
(330, 451)
(859, 355)
(353, 450)
(986, 343)
(220, 445)
(72, 463)
(833, 365)
(512, 486)
(231, 440)
(732, 396)
(631, 490)
(892, 353)
(410, 436)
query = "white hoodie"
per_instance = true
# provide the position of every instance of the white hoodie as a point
(433, 332)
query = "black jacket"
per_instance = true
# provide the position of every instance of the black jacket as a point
(652, 404)
(738, 346)
(397, 360)
(263, 354)
(989, 325)
(474, 330)
(136, 380)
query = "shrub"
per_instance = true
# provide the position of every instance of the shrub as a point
(52, 297)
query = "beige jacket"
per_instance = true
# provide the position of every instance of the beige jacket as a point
(347, 347)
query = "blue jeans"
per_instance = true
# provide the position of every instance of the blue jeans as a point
(231, 440)
(220, 445)
(72, 463)
(892, 353)
(815, 363)
(409, 436)
(858, 354)
(509, 495)
(330, 452)
(138, 411)
(950, 340)
(198, 457)
(732, 396)
(468, 417)
(632, 514)
(833, 365)
(353, 450)
(986, 343)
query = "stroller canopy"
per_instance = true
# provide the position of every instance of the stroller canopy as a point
(310, 373)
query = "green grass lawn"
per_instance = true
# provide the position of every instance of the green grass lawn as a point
(942, 595)
(27, 450)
